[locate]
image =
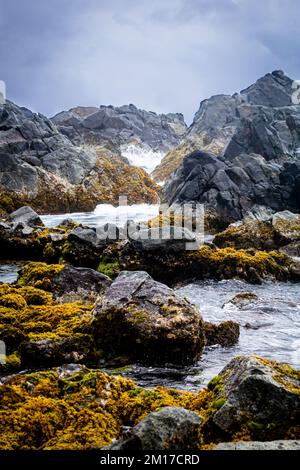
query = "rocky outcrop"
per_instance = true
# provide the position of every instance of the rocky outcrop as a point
(207, 262)
(146, 321)
(41, 166)
(168, 429)
(249, 152)
(230, 189)
(261, 119)
(258, 396)
(278, 231)
(114, 127)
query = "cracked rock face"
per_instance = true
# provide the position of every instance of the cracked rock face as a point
(42, 167)
(261, 395)
(253, 140)
(117, 126)
(147, 321)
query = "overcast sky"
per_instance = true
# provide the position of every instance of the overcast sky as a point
(162, 55)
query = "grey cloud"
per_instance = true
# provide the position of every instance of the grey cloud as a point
(163, 55)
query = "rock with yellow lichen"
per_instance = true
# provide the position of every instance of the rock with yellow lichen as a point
(46, 318)
(67, 283)
(273, 232)
(257, 397)
(147, 321)
(39, 332)
(225, 334)
(74, 408)
(208, 263)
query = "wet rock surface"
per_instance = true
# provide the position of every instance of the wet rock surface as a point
(146, 320)
(244, 152)
(168, 429)
(253, 393)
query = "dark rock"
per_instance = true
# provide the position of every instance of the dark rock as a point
(255, 393)
(120, 126)
(171, 428)
(147, 321)
(256, 135)
(230, 189)
(84, 247)
(51, 352)
(25, 220)
(42, 167)
(72, 284)
(292, 249)
(166, 239)
(225, 334)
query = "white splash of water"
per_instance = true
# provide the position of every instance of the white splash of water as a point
(142, 156)
(104, 213)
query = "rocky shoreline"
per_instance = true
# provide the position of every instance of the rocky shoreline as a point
(66, 322)
(89, 302)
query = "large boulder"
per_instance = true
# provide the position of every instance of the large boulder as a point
(26, 217)
(258, 396)
(171, 428)
(166, 239)
(145, 320)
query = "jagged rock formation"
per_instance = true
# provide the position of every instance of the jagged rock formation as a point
(261, 119)
(42, 167)
(116, 126)
(255, 137)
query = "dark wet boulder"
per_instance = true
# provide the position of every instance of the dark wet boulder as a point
(25, 217)
(259, 396)
(171, 428)
(224, 334)
(83, 247)
(67, 283)
(147, 321)
(207, 262)
(166, 239)
(76, 348)
(84, 284)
